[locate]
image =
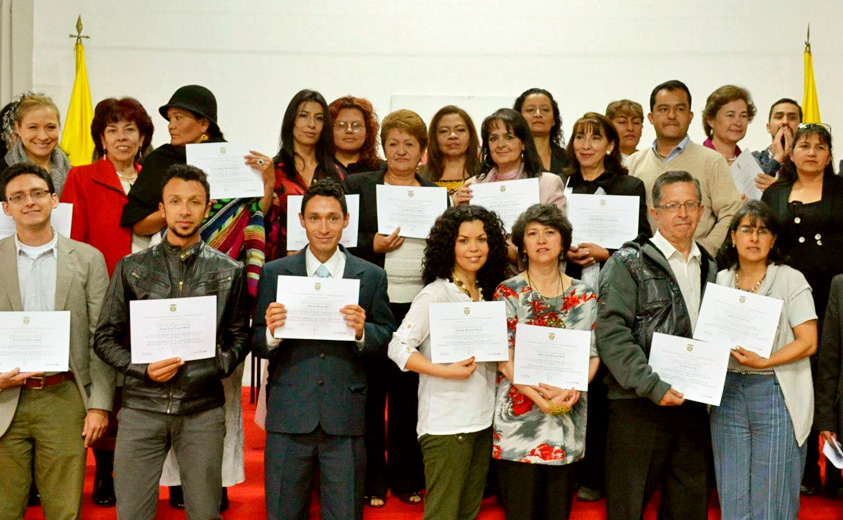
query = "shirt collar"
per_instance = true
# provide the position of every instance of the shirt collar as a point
(668, 250)
(34, 252)
(332, 265)
(673, 153)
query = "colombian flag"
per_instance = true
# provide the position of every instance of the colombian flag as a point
(810, 104)
(76, 138)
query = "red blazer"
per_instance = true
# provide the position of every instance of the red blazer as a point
(98, 199)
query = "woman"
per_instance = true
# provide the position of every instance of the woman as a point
(36, 128)
(355, 135)
(452, 156)
(539, 431)
(758, 432)
(807, 199)
(465, 259)
(726, 116)
(542, 114)
(404, 139)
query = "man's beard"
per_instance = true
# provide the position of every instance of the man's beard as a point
(192, 233)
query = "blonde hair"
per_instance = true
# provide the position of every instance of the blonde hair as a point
(33, 102)
(408, 121)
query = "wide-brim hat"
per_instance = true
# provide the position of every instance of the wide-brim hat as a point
(194, 98)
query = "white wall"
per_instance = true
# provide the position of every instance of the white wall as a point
(255, 55)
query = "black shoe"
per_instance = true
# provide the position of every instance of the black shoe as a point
(34, 496)
(103, 495)
(808, 490)
(224, 501)
(589, 495)
(176, 497)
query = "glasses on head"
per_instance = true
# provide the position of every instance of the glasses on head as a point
(809, 126)
(673, 207)
(35, 195)
(354, 127)
(749, 231)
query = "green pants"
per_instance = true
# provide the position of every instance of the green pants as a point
(455, 468)
(47, 427)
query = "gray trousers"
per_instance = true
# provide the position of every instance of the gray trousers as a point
(143, 440)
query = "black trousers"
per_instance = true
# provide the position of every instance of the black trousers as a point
(402, 470)
(649, 445)
(591, 469)
(536, 491)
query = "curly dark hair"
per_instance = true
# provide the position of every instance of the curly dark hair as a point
(369, 150)
(549, 215)
(439, 257)
(557, 135)
(760, 214)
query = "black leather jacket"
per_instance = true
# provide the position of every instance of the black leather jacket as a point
(639, 296)
(167, 271)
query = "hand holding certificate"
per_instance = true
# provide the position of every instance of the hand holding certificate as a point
(509, 199)
(185, 328)
(412, 208)
(557, 357)
(695, 368)
(459, 331)
(313, 307)
(297, 238)
(605, 220)
(228, 174)
(738, 319)
(35, 341)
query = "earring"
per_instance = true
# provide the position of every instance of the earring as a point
(204, 137)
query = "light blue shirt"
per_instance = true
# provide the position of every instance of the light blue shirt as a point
(676, 151)
(37, 269)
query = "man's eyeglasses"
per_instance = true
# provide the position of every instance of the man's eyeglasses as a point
(673, 207)
(35, 195)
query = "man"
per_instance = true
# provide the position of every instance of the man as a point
(670, 114)
(51, 418)
(317, 389)
(628, 118)
(785, 117)
(654, 434)
(174, 402)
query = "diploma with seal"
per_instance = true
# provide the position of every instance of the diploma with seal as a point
(296, 236)
(605, 220)
(744, 171)
(35, 341)
(557, 357)
(509, 199)
(693, 367)
(412, 208)
(738, 319)
(228, 174)
(460, 330)
(173, 327)
(313, 307)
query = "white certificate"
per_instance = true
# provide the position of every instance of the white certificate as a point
(35, 341)
(228, 174)
(61, 219)
(557, 357)
(297, 238)
(173, 327)
(461, 330)
(509, 199)
(738, 319)
(313, 307)
(744, 170)
(412, 208)
(693, 367)
(605, 220)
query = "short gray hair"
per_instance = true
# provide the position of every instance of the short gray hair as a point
(673, 177)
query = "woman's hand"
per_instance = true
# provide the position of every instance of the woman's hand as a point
(507, 368)
(462, 195)
(750, 359)
(764, 181)
(460, 369)
(566, 399)
(263, 164)
(579, 255)
(387, 243)
(828, 436)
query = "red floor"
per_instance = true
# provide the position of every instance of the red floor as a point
(247, 499)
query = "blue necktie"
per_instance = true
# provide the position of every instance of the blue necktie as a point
(323, 272)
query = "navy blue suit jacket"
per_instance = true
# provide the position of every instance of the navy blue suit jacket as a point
(318, 382)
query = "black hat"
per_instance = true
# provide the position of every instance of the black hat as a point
(194, 98)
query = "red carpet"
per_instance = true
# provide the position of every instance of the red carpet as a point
(247, 499)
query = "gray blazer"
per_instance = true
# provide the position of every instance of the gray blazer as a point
(80, 288)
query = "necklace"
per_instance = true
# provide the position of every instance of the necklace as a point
(131, 180)
(752, 289)
(462, 287)
(536, 288)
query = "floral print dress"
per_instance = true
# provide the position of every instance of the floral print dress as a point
(522, 431)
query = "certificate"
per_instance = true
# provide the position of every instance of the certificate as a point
(313, 307)
(228, 174)
(173, 327)
(461, 330)
(61, 219)
(35, 341)
(693, 367)
(296, 237)
(414, 209)
(557, 357)
(605, 220)
(738, 319)
(509, 199)
(744, 170)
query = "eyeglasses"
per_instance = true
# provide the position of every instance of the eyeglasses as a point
(749, 231)
(35, 195)
(673, 207)
(354, 127)
(811, 126)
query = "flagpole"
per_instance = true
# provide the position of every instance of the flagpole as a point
(76, 140)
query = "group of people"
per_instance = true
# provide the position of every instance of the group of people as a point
(144, 228)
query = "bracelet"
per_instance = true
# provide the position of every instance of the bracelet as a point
(559, 410)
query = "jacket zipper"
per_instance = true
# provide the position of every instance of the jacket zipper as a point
(170, 400)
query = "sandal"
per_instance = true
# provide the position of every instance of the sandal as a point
(375, 501)
(411, 498)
